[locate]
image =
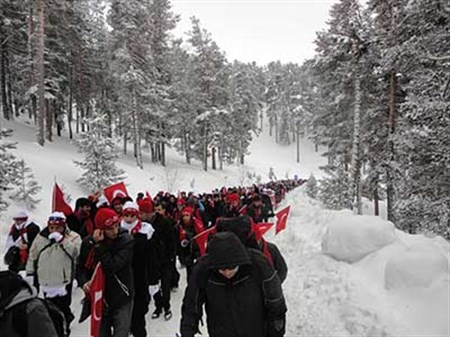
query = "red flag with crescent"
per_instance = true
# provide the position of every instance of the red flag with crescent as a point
(59, 204)
(260, 229)
(96, 294)
(116, 190)
(282, 219)
(202, 239)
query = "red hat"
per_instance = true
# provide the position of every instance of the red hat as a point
(233, 197)
(130, 208)
(145, 205)
(181, 202)
(105, 218)
(187, 210)
(57, 218)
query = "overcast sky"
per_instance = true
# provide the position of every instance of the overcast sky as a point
(258, 30)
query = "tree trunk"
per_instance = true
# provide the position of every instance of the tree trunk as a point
(87, 115)
(125, 136)
(163, 154)
(48, 120)
(69, 117)
(82, 117)
(41, 77)
(205, 147)
(77, 111)
(136, 131)
(389, 169)
(213, 158)
(58, 117)
(31, 75)
(9, 84)
(356, 153)
(5, 106)
(298, 142)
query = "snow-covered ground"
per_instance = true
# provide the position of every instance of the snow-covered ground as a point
(348, 275)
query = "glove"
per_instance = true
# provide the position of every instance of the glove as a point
(55, 236)
(276, 328)
(153, 289)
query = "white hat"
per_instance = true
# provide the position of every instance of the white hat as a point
(22, 214)
(59, 215)
(130, 205)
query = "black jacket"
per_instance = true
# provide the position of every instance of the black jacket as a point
(12, 255)
(258, 214)
(19, 299)
(249, 304)
(278, 261)
(116, 258)
(166, 238)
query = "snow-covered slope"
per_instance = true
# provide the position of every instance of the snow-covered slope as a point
(395, 285)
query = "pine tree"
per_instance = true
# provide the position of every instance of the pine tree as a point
(312, 188)
(27, 187)
(334, 192)
(9, 167)
(99, 165)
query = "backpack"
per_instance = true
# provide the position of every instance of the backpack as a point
(19, 317)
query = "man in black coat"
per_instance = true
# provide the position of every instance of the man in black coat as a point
(166, 235)
(21, 312)
(82, 219)
(242, 227)
(241, 293)
(257, 211)
(112, 247)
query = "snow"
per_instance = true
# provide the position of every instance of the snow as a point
(416, 267)
(348, 275)
(349, 239)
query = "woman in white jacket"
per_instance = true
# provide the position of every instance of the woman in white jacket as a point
(52, 260)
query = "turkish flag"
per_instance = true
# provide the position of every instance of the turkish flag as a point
(243, 210)
(149, 196)
(59, 204)
(261, 228)
(282, 219)
(202, 239)
(96, 294)
(116, 190)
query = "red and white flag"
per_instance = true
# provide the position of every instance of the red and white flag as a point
(59, 204)
(116, 190)
(97, 294)
(282, 219)
(260, 229)
(202, 239)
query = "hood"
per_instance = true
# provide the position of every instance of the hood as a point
(240, 226)
(226, 251)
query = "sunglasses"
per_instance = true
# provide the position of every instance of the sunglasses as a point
(56, 221)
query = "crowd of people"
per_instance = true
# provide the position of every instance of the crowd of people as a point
(238, 280)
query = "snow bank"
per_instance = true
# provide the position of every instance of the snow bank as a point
(418, 266)
(350, 238)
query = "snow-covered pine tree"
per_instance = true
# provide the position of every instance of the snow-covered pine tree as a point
(27, 187)
(312, 189)
(99, 164)
(8, 167)
(334, 192)
(423, 145)
(212, 78)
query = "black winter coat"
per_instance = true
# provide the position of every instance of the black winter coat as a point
(166, 238)
(249, 304)
(279, 262)
(12, 256)
(116, 257)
